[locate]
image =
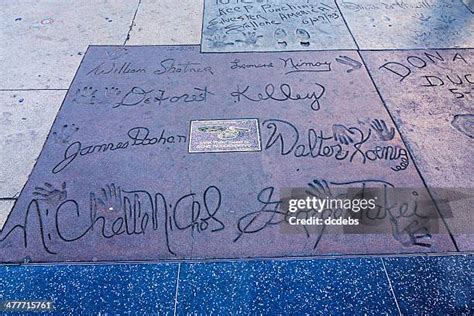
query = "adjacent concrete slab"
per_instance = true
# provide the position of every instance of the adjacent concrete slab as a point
(25, 117)
(5, 209)
(430, 94)
(47, 39)
(409, 24)
(118, 178)
(167, 22)
(273, 25)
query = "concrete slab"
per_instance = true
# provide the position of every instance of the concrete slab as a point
(5, 209)
(161, 22)
(25, 117)
(47, 39)
(128, 174)
(409, 24)
(430, 94)
(273, 25)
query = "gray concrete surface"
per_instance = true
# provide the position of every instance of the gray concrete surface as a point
(161, 22)
(5, 207)
(430, 95)
(44, 42)
(122, 151)
(26, 118)
(409, 24)
(273, 25)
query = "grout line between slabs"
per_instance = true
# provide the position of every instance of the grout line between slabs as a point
(34, 89)
(177, 289)
(246, 259)
(47, 137)
(347, 25)
(410, 151)
(391, 287)
(467, 7)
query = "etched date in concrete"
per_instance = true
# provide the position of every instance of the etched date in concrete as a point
(273, 25)
(430, 93)
(409, 24)
(129, 172)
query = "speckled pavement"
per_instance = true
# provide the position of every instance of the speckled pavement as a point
(415, 285)
(398, 72)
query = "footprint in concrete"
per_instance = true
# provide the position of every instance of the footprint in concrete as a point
(303, 36)
(280, 35)
(464, 123)
(387, 20)
(6, 116)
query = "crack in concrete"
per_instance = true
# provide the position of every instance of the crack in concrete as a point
(132, 24)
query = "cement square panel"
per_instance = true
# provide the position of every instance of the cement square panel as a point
(47, 39)
(116, 181)
(430, 94)
(160, 22)
(26, 118)
(273, 25)
(409, 24)
(5, 209)
(94, 289)
(429, 285)
(285, 287)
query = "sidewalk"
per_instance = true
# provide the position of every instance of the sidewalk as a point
(399, 74)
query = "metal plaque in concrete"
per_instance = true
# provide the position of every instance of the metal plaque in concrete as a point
(430, 93)
(224, 136)
(409, 24)
(160, 152)
(273, 25)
